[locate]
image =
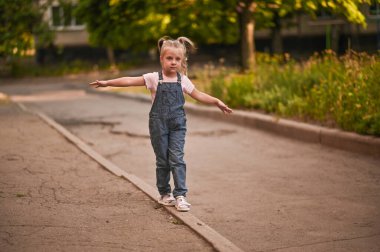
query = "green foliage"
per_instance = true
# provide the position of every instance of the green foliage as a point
(122, 24)
(20, 22)
(205, 21)
(217, 86)
(139, 24)
(350, 9)
(267, 11)
(239, 90)
(343, 92)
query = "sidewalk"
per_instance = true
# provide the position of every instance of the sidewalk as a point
(55, 198)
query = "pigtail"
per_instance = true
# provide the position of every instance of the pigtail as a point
(188, 47)
(161, 42)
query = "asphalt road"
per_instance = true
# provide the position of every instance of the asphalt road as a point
(261, 191)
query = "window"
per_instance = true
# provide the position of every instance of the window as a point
(63, 17)
(56, 16)
(374, 9)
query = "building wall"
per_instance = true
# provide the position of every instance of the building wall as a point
(71, 38)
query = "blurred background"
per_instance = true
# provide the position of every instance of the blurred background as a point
(311, 60)
(126, 31)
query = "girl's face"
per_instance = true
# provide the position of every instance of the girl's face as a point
(171, 61)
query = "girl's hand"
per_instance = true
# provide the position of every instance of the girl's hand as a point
(223, 107)
(98, 83)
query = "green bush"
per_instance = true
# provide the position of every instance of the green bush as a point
(239, 91)
(335, 91)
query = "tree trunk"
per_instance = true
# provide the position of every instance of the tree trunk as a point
(111, 57)
(247, 36)
(277, 47)
(335, 38)
(111, 60)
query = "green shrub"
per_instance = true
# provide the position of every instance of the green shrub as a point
(218, 85)
(239, 91)
(339, 91)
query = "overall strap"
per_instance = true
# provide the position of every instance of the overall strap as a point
(160, 77)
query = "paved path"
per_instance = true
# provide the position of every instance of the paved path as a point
(55, 198)
(263, 192)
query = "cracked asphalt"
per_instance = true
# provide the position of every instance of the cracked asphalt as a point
(261, 191)
(55, 198)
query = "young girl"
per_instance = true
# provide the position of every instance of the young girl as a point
(167, 119)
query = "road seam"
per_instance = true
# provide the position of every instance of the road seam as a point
(217, 241)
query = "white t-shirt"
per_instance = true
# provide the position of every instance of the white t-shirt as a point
(151, 83)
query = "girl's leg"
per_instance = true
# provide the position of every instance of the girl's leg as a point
(176, 152)
(160, 146)
(159, 140)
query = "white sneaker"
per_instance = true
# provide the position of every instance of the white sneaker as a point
(167, 200)
(181, 204)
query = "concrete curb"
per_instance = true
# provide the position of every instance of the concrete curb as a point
(335, 138)
(218, 242)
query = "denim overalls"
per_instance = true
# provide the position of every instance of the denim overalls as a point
(167, 128)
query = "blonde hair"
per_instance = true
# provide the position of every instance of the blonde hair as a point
(182, 43)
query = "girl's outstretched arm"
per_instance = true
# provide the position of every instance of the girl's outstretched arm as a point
(119, 82)
(208, 99)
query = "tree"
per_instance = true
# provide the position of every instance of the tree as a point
(349, 9)
(22, 27)
(277, 10)
(122, 24)
(138, 24)
(135, 24)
